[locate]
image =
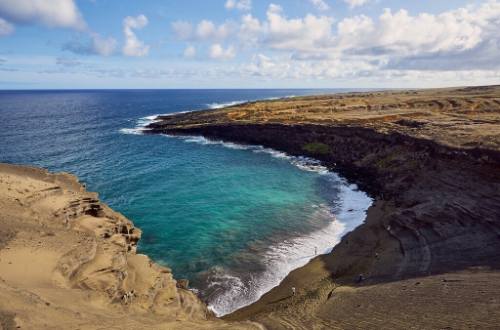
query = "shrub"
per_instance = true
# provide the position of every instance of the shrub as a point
(317, 148)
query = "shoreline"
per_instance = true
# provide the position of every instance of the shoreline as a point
(305, 164)
(400, 157)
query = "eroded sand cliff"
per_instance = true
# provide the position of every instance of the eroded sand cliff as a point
(67, 261)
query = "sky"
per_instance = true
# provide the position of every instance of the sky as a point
(65, 44)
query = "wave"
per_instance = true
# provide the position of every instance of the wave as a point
(216, 105)
(302, 162)
(234, 291)
(143, 122)
(140, 125)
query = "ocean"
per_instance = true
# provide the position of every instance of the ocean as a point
(234, 220)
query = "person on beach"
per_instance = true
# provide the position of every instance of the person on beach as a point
(293, 291)
(315, 251)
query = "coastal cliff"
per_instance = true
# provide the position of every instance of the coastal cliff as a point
(430, 159)
(68, 261)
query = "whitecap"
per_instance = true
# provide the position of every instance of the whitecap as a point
(140, 125)
(132, 131)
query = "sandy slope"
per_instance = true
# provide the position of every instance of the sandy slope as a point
(67, 261)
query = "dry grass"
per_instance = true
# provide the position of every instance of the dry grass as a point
(460, 117)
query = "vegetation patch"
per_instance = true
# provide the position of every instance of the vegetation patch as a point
(317, 148)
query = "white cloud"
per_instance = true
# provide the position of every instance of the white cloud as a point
(95, 44)
(103, 46)
(5, 28)
(190, 52)
(310, 32)
(133, 46)
(52, 13)
(393, 45)
(217, 52)
(182, 29)
(320, 4)
(207, 30)
(401, 34)
(356, 3)
(250, 30)
(455, 44)
(392, 36)
(239, 4)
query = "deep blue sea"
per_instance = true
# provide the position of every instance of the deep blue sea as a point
(234, 220)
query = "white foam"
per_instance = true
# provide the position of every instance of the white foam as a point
(303, 163)
(216, 105)
(143, 122)
(294, 253)
(133, 131)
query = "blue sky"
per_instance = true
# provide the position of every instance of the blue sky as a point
(248, 43)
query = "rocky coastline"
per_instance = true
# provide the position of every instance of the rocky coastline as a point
(431, 160)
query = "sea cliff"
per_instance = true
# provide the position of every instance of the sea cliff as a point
(431, 160)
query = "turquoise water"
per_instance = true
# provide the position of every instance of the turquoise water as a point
(232, 219)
